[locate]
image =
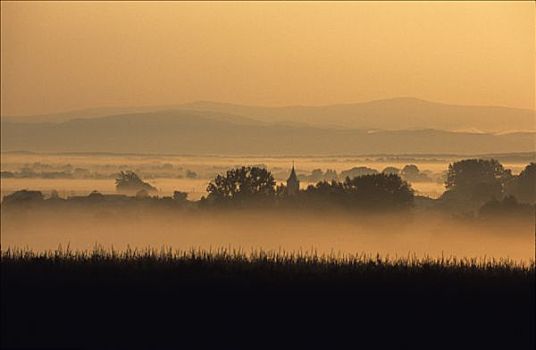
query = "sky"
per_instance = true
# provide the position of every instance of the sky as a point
(60, 56)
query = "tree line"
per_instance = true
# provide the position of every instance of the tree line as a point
(252, 186)
(471, 184)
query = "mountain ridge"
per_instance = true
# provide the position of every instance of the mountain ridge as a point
(202, 132)
(386, 114)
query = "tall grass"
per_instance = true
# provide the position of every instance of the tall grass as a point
(298, 260)
(136, 298)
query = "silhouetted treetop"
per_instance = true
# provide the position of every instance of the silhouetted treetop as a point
(129, 182)
(523, 186)
(390, 170)
(23, 196)
(475, 181)
(467, 173)
(377, 191)
(242, 184)
(357, 171)
(380, 188)
(412, 173)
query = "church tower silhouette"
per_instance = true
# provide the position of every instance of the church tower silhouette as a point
(293, 184)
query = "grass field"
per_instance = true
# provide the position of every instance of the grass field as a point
(173, 299)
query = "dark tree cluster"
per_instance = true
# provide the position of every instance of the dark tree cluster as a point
(474, 187)
(318, 175)
(357, 171)
(413, 174)
(242, 185)
(128, 182)
(252, 185)
(485, 188)
(523, 186)
(477, 178)
(22, 197)
(377, 191)
(480, 180)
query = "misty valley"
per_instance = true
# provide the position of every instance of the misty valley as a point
(223, 236)
(267, 174)
(76, 201)
(255, 221)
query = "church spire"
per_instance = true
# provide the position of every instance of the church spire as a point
(293, 184)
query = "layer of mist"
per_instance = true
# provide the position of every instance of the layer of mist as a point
(419, 234)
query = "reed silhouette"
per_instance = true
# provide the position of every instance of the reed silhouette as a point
(165, 298)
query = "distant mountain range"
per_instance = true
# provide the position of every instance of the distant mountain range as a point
(389, 114)
(204, 131)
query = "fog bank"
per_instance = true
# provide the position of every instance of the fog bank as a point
(419, 233)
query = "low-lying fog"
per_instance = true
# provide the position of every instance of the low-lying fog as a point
(418, 233)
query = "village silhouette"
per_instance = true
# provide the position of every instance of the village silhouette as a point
(474, 187)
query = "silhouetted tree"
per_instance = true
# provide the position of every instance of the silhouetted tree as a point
(22, 197)
(523, 186)
(476, 180)
(95, 196)
(467, 173)
(380, 191)
(390, 170)
(412, 173)
(331, 175)
(191, 174)
(377, 191)
(324, 194)
(357, 171)
(129, 182)
(410, 170)
(242, 184)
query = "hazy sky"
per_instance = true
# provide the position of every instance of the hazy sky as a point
(63, 56)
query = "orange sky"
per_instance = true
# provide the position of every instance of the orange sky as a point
(64, 56)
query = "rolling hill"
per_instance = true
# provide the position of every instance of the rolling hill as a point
(387, 114)
(207, 132)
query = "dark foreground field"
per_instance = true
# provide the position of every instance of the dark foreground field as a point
(230, 300)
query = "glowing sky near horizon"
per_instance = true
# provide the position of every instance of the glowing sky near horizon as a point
(58, 56)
